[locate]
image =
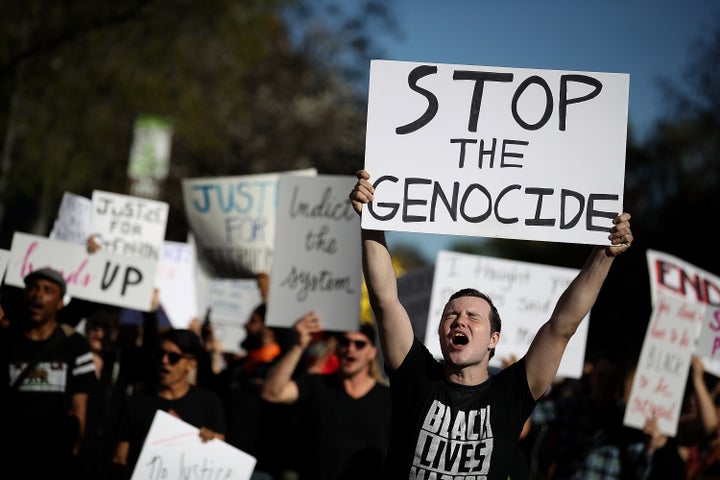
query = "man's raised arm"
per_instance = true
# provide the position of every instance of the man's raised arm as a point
(393, 324)
(547, 348)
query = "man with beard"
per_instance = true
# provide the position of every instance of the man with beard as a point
(46, 374)
(345, 414)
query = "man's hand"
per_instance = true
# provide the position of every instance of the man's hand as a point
(305, 327)
(621, 236)
(362, 192)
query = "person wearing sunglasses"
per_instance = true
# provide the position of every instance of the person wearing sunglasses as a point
(176, 359)
(344, 417)
(458, 421)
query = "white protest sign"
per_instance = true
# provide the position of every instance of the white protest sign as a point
(317, 254)
(673, 276)
(104, 277)
(175, 279)
(173, 449)
(73, 223)
(233, 221)
(129, 225)
(4, 259)
(496, 152)
(708, 345)
(523, 293)
(659, 382)
(231, 302)
(670, 274)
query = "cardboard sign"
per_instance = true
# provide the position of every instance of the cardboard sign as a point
(708, 345)
(233, 222)
(129, 225)
(496, 152)
(173, 449)
(175, 279)
(73, 223)
(104, 277)
(524, 293)
(662, 370)
(317, 254)
(231, 302)
(670, 275)
(4, 259)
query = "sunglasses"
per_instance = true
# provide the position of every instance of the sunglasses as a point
(359, 344)
(173, 357)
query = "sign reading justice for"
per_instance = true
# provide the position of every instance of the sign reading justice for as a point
(496, 152)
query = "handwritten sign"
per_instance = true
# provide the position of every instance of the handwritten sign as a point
(496, 152)
(233, 222)
(231, 302)
(73, 223)
(317, 254)
(662, 371)
(4, 259)
(119, 280)
(708, 345)
(173, 449)
(129, 225)
(175, 279)
(670, 275)
(524, 294)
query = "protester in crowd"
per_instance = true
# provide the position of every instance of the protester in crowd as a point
(457, 419)
(255, 425)
(4, 321)
(101, 330)
(345, 416)
(698, 425)
(321, 354)
(590, 440)
(176, 358)
(260, 345)
(121, 368)
(46, 375)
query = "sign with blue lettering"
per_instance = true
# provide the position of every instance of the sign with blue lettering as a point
(233, 222)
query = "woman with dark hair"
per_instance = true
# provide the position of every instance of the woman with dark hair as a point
(176, 360)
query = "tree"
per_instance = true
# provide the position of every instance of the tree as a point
(236, 79)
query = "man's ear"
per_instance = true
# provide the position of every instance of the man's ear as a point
(192, 364)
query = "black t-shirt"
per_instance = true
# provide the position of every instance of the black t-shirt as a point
(30, 412)
(34, 417)
(446, 430)
(199, 407)
(346, 437)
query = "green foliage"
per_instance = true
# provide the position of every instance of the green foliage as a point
(242, 97)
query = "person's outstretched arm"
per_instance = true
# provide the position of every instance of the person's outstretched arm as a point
(393, 323)
(547, 348)
(706, 405)
(279, 387)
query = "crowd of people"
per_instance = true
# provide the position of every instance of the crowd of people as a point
(79, 389)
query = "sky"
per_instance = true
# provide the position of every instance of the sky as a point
(650, 40)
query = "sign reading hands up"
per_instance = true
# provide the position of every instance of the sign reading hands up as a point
(496, 152)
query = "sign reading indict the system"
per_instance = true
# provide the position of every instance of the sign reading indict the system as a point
(496, 152)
